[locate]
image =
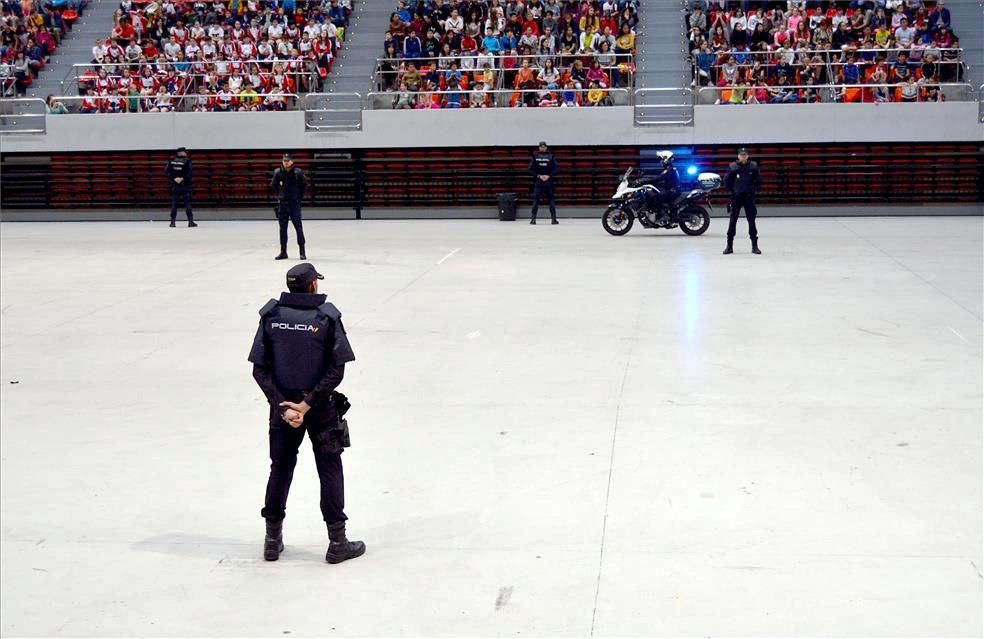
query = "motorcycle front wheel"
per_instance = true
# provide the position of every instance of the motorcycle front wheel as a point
(695, 220)
(616, 221)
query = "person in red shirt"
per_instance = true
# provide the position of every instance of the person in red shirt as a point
(123, 32)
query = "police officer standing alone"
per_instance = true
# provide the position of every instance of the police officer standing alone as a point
(743, 180)
(543, 168)
(178, 172)
(299, 356)
(289, 183)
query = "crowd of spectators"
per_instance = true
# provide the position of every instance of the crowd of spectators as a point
(544, 53)
(817, 51)
(30, 31)
(226, 55)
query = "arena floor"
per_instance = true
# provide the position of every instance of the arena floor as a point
(556, 432)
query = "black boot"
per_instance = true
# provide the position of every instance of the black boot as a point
(532, 220)
(728, 250)
(553, 220)
(172, 224)
(191, 224)
(755, 247)
(340, 547)
(303, 256)
(273, 543)
(283, 254)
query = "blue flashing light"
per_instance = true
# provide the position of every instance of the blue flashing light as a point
(691, 170)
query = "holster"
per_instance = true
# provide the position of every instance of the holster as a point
(331, 435)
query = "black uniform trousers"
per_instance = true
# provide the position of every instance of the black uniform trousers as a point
(181, 194)
(738, 202)
(290, 212)
(284, 444)
(543, 189)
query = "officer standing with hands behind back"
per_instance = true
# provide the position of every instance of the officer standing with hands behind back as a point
(289, 184)
(743, 180)
(299, 356)
(178, 172)
(543, 168)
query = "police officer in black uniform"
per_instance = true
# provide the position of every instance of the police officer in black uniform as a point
(543, 168)
(299, 356)
(743, 180)
(289, 184)
(178, 172)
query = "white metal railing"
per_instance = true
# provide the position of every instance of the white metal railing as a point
(135, 103)
(667, 107)
(841, 93)
(831, 59)
(425, 66)
(82, 74)
(493, 98)
(332, 111)
(22, 115)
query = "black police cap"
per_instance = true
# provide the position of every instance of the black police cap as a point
(742, 151)
(288, 156)
(301, 276)
(542, 143)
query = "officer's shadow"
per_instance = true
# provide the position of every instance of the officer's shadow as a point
(217, 548)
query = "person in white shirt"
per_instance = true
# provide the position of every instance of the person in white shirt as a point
(208, 49)
(276, 31)
(99, 51)
(191, 50)
(905, 34)
(455, 22)
(215, 32)
(171, 48)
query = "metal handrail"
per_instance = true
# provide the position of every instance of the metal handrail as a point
(686, 106)
(167, 64)
(11, 115)
(312, 122)
(980, 104)
(467, 93)
(181, 103)
(829, 88)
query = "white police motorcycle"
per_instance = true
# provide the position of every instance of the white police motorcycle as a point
(690, 210)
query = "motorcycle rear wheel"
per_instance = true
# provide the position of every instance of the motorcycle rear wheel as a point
(616, 221)
(695, 220)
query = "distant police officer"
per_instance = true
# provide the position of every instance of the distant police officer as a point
(743, 180)
(543, 168)
(178, 172)
(289, 183)
(299, 356)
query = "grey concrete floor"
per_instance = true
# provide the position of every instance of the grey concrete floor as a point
(556, 432)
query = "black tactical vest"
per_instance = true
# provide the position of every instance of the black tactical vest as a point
(303, 341)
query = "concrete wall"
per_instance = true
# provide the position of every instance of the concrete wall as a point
(944, 122)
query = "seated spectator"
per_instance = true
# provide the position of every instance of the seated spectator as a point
(597, 96)
(54, 107)
(781, 93)
(404, 99)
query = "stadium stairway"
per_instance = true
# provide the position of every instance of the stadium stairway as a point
(967, 18)
(75, 48)
(661, 45)
(353, 69)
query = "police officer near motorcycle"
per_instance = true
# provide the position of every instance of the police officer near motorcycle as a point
(543, 168)
(743, 180)
(299, 356)
(289, 184)
(178, 172)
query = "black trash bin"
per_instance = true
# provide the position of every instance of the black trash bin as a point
(507, 207)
